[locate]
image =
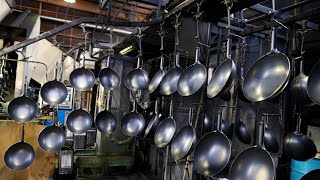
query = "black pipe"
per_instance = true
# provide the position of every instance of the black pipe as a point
(301, 16)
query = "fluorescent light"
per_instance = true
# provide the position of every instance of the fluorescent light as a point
(70, 1)
(126, 50)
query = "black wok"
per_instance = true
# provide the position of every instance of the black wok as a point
(213, 151)
(270, 140)
(108, 78)
(254, 163)
(242, 131)
(165, 131)
(184, 141)
(299, 146)
(312, 175)
(20, 155)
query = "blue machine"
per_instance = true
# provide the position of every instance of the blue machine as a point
(300, 168)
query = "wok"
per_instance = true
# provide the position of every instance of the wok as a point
(52, 138)
(242, 131)
(136, 79)
(132, 123)
(312, 175)
(54, 92)
(254, 163)
(22, 109)
(224, 76)
(314, 83)
(154, 121)
(299, 146)
(106, 122)
(270, 140)
(156, 80)
(299, 86)
(108, 78)
(165, 131)
(79, 121)
(170, 80)
(213, 151)
(82, 79)
(184, 141)
(20, 155)
(192, 79)
(268, 76)
(207, 123)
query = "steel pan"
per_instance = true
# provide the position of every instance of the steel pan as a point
(192, 79)
(212, 152)
(154, 121)
(106, 122)
(82, 79)
(79, 121)
(132, 123)
(165, 131)
(184, 141)
(54, 92)
(20, 155)
(156, 80)
(314, 83)
(137, 79)
(254, 163)
(242, 131)
(268, 76)
(270, 140)
(299, 146)
(108, 78)
(22, 109)
(170, 80)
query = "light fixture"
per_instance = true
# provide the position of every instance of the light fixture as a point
(126, 50)
(70, 1)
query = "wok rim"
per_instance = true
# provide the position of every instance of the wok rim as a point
(145, 75)
(175, 128)
(190, 148)
(170, 72)
(152, 88)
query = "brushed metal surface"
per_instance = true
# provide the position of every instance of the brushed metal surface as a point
(22, 109)
(52, 138)
(109, 79)
(54, 92)
(156, 80)
(314, 83)
(136, 79)
(19, 156)
(165, 132)
(132, 124)
(106, 122)
(79, 121)
(82, 79)
(183, 142)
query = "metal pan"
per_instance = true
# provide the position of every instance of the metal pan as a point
(108, 78)
(299, 146)
(314, 83)
(184, 141)
(20, 155)
(154, 121)
(106, 122)
(82, 79)
(269, 75)
(156, 80)
(254, 163)
(270, 140)
(224, 76)
(165, 131)
(132, 123)
(137, 79)
(242, 131)
(169, 82)
(212, 152)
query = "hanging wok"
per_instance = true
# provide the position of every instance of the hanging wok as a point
(20, 155)
(242, 131)
(82, 79)
(154, 121)
(170, 80)
(314, 83)
(299, 146)
(79, 121)
(106, 122)
(165, 131)
(137, 79)
(52, 138)
(270, 140)
(312, 175)
(22, 109)
(184, 141)
(157, 78)
(132, 123)
(192, 79)
(254, 163)
(268, 76)
(108, 78)
(212, 152)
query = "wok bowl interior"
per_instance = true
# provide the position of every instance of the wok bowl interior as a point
(169, 82)
(183, 142)
(106, 122)
(156, 80)
(314, 84)
(19, 156)
(299, 146)
(266, 77)
(109, 79)
(252, 164)
(192, 79)
(79, 121)
(242, 133)
(212, 153)
(82, 79)
(132, 124)
(164, 132)
(52, 138)
(54, 92)
(222, 79)
(136, 79)
(22, 109)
